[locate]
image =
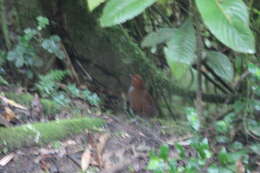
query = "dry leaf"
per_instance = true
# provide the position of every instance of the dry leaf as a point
(12, 103)
(8, 114)
(240, 167)
(4, 122)
(102, 142)
(100, 148)
(6, 159)
(85, 159)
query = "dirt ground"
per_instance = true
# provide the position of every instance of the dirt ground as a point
(121, 146)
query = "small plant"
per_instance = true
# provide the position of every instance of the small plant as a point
(50, 107)
(25, 53)
(86, 95)
(47, 85)
(92, 98)
(184, 163)
(161, 162)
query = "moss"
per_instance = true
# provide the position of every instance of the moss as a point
(43, 133)
(50, 107)
(24, 99)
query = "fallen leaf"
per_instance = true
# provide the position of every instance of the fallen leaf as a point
(6, 159)
(4, 122)
(100, 147)
(8, 114)
(12, 103)
(85, 159)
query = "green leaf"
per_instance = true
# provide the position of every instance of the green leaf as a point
(255, 148)
(156, 164)
(73, 90)
(164, 152)
(217, 169)
(222, 126)
(224, 157)
(92, 4)
(220, 64)
(254, 127)
(222, 139)
(29, 33)
(229, 22)
(179, 70)
(160, 36)
(42, 22)
(252, 68)
(193, 118)
(182, 46)
(52, 45)
(181, 151)
(19, 62)
(3, 81)
(119, 11)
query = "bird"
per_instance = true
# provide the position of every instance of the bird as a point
(140, 101)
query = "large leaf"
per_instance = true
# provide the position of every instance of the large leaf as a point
(182, 46)
(119, 11)
(160, 36)
(229, 22)
(180, 71)
(220, 64)
(92, 4)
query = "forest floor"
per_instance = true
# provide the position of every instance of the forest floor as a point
(122, 145)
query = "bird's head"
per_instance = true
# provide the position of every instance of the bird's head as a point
(137, 81)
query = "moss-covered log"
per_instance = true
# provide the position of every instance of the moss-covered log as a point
(43, 133)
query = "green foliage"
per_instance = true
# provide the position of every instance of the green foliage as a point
(47, 84)
(253, 69)
(220, 64)
(163, 35)
(61, 98)
(193, 118)
(42, 22)
(25, 53)
(92, 4)
(229, 22)
(181, 48)
(3, 81)
(52, 45)
(50, 107)
(86, 95)
(56, 144)
(92, 98)
(117, 11)
(162, 162)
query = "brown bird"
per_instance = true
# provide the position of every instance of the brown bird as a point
(139, 98)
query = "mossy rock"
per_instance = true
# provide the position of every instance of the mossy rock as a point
(43, 133)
